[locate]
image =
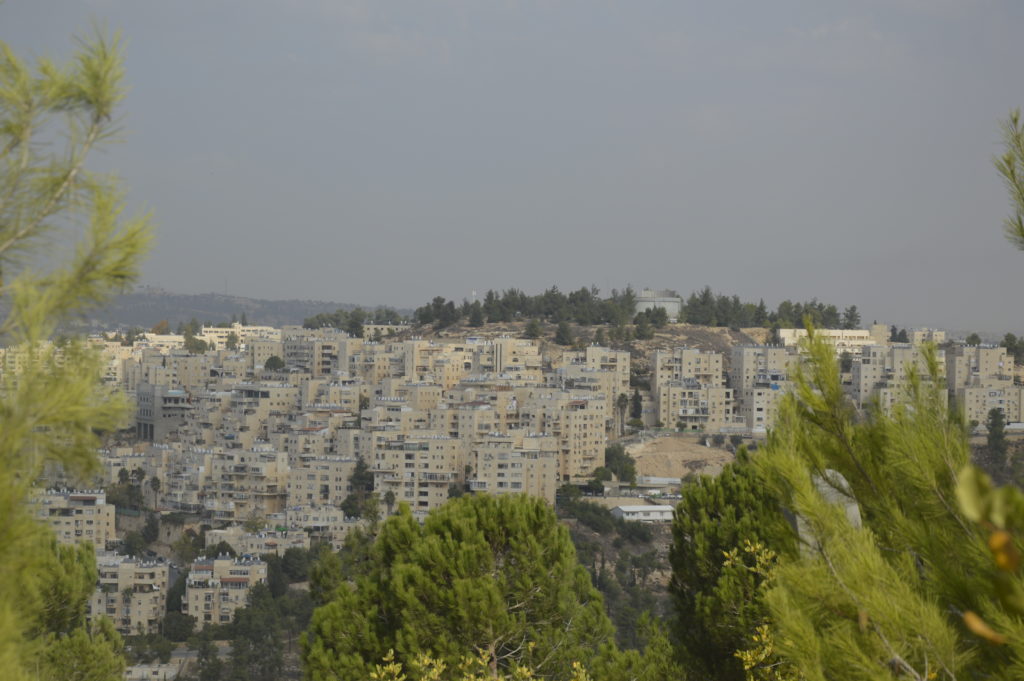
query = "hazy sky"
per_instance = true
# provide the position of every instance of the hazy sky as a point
(385, 152)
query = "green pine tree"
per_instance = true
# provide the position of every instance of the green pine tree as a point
(52, 116)
(494, 575)
(718, 605)
(889, 565)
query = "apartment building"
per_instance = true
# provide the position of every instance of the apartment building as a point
(516, 465)
(515, 358)
(977, 402)
(247, 543)
(217, 336)
(160, 411)
(419, 470)
(244, 483)
(320, 523)
(686, 364)
(850, 341)
(576, 420)
(880, 373)
(130, 591)
(77, 516)
(319, 480)
(599, 370)
(978, 366)
(692, 406)
(922, 336)
(216, 587)
(759, 376)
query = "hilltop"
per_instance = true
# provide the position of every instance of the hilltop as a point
(146, 306)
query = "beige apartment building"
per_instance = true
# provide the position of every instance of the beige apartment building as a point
(844, 340)
(217, 336)
(516, 465)
(686, 364)
(419, 470)
(320, 523)
(160, 411)
(257, 543)
(78, 516)
(319, 480)
(880, 373)
(577, 422)
(978, 366)
(976, 403)
(131, 592)
(759, 377)
(922, 336)
(245, 483)
(694, 407)
(518, 359)
(216, 587)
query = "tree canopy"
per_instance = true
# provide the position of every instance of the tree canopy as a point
(497, 575)
(890, 566)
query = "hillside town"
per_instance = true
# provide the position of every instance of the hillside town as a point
(277, 438)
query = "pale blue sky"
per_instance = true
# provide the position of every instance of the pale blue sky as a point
(386, 152)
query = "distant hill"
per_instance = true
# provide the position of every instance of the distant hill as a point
(147, 306)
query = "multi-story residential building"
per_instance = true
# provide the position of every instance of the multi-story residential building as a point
(216, 587)
(759, 377)
(131, 592)
(505, 464)
(245, 483)
(691, 406)
(977, 402)
(881, 372)
(599, 370)
(978, 366)
(922, 336)
(78, 516)
(686, 364)
(576, 419)
(247, 543)
(419, 470)
(313, 351)
(320, 523)
(515, 358)
(217, 336)
(160, 411)
(319, 480)
(850, 341)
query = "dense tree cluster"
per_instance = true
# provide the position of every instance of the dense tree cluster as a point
(495, 576)
(1014, 347)
(352, 321)
(717, 605)
(586, 307)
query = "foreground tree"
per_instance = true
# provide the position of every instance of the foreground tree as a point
(718, 603)
(495, 575)
(883, 591)
(1011, 167)
(51, 117)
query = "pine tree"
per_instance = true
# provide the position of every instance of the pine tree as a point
(494, 575)
(51, 410)
(996, 439)
(563, 334)
(1011, 167)
(889, 564)
(718, 605)
(636, 407)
